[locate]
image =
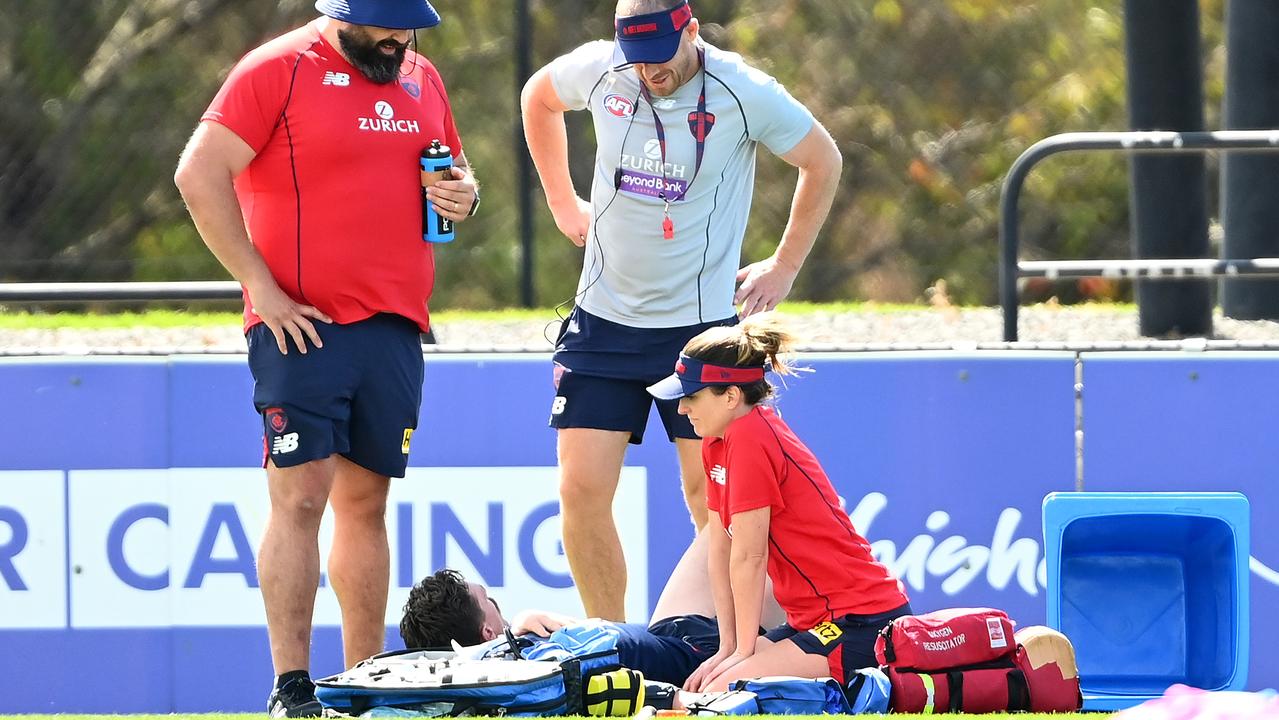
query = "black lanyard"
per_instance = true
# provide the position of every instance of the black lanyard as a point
(699, 125)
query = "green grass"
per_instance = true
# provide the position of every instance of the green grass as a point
(25, 320)
(258, 716)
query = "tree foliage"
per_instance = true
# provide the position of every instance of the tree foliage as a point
(930, 103)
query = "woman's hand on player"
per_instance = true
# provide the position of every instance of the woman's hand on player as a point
(706, 670)
(716, 681)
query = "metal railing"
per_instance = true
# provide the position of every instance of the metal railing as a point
(138, 291)
(1011, 269)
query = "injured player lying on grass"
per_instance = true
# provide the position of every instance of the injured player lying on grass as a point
(444, 609)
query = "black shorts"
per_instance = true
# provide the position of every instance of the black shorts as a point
(847, 642)
(358, 396)
(603, 369)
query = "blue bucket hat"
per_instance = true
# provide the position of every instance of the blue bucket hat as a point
(652, 37)
(692, 375)
(390, 14)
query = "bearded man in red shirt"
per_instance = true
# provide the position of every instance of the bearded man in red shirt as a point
(303, 179)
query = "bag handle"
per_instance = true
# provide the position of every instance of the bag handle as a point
(1018, 691)
(510, 641)
(955, 683)
(886, 632)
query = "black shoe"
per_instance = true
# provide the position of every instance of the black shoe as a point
(295, 699)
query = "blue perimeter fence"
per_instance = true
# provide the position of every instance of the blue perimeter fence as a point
(132, 500)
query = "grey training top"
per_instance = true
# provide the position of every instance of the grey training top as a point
(631, 274)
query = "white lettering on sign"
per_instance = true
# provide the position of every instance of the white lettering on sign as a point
(178, 547)
(33, 585)
(954, 559)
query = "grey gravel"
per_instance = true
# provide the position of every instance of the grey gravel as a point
(1041, 327)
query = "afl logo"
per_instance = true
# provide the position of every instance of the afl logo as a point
(384, 110)
(618, 105)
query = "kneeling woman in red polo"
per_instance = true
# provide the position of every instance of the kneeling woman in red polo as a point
(774, 514)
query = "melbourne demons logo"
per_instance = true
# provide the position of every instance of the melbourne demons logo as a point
(276, 418)
(619, 105)
(700, 124)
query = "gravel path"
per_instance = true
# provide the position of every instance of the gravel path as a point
(961, 328)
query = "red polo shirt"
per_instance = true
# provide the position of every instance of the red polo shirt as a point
(820, 567)
(332, 200)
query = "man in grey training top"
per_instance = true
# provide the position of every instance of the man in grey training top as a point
(677, 122)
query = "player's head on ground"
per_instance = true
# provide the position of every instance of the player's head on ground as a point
(374, 35)
(658, 38)
(720, 374)
(445, 607)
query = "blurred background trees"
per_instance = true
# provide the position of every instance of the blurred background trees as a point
(930, 102)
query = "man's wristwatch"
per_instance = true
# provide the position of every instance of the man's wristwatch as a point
(475, 206)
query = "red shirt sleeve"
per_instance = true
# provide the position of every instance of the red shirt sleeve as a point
(711, 452)
(754, 463)
(252, 98)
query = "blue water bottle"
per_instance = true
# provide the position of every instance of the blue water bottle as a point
(436, 161)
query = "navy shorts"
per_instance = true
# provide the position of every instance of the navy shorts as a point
(847, 642)
(669, 650)
(358, 396)
(603, 369)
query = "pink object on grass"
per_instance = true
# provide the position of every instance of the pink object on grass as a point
(1181, 702)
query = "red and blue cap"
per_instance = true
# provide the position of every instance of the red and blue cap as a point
(692, 375)
(652, 37)
(390, 14)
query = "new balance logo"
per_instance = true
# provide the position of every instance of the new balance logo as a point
(719, 474)
(283, 444)
(336, 78)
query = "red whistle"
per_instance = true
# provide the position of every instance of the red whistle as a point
(668, 229)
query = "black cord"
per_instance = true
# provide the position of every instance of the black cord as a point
(413, 47)
(617, 188)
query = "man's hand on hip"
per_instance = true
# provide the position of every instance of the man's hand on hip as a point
(763, 285)
(453, 198)
(282, 315)
(574, 220)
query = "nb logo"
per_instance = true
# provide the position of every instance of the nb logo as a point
(719, 474)
(338, 79)
(557, 407)
(284, 444)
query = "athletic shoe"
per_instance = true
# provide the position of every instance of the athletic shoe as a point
(659, 695)
(295, 699)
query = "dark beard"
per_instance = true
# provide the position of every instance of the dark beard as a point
(368, 58)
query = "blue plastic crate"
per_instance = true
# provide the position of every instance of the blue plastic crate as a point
(1152, 590)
